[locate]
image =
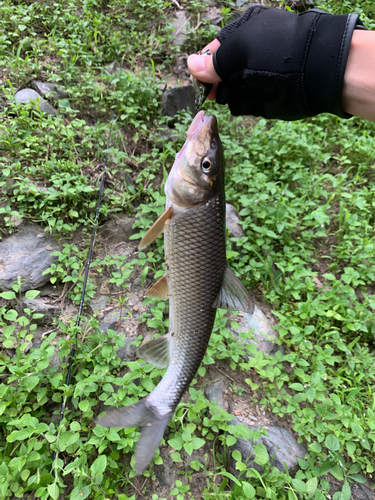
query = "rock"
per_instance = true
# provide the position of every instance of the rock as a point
(359, 491)
(118, 229)
(179, 25)
(213, 15)
(279, 443)
(113, 67)
(128, 351)
(232, 219)
(300, 5)
(30, 96)
(98, 303)
(166, 472)
(41, 306)
(264, 336)
(48, 290)
(178, 99)
(27, 255)
(49, 90)
(113, 320)
(215, 392)
(240, 3)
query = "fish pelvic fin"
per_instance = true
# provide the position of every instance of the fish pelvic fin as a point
(156, 351)
(156, 229)
(233, 296)
(152, 426)
(160, 289)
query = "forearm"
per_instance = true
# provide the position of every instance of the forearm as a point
(358, 96)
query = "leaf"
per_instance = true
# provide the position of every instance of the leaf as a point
(84, 405)
(197, 443)
(358, 478)
(31, 294)
(176, 443)
(311, 486)
(261, 454)
(188, 448)
(310, 393)
(299, 485)
(53, 491)
(248, 490)
(326, 467)
(99, 465)
(346, 491)
(8, 295)
(316, 447)
(228, 474)
(297, 387)
(332, 443)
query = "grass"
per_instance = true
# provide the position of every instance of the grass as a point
(305, 192)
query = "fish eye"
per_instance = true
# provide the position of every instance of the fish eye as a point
(208, 165)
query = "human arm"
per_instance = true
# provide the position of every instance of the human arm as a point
(326, 81)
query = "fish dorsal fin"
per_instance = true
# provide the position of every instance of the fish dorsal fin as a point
(233, 295)
(156, 351)
(159, 290)
(156, 229)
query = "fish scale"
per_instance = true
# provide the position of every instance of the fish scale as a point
(195, 277)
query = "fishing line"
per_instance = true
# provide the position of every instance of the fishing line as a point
(78, 321)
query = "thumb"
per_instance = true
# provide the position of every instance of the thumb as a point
(202, 66)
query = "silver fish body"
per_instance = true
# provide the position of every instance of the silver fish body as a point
(197, 281)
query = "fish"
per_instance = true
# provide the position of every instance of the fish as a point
(197, 281)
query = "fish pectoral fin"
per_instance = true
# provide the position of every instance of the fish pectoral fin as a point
(156, 351)
(160, 289)
(156, 229)
(233, 296)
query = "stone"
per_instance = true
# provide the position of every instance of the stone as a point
(359, 491)
(98, 303)
(27, 255)
(118, 229)
(232, 219)
(178, 99)
(213, 15)
(215, 392)
(113, 320)
(41, 306)
(166, 472)
(29, 96)
(49, 90)
(300, 5)
(264, 337)
(240, 3)
(179, 25)
(279, 443)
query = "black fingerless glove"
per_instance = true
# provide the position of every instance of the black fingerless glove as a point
(278, 64)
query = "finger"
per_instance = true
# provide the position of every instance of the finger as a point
(202, 66)
(213, 93)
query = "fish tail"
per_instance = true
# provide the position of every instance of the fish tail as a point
(152, 426)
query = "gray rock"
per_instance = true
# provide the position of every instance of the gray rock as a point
(49, 90)
(232, 219)
(48, 290)
(29, 96)
(166, 472)
(264, 336)
(300, 5)
(279, 443)
(27, 255)
(98, 303)
(118, 229)
(178, 99)
(213, 15)
(240, 3)
(215, 392)
(180, 25)
(113, 320)
(41, 306)
(359, 491)
(113, 67)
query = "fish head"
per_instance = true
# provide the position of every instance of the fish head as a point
(198, 171)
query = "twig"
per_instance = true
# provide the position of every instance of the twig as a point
(178, 5)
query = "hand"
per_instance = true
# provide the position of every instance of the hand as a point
(278, 64)
(203, 69)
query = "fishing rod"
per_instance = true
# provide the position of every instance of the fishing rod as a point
(78, 321)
